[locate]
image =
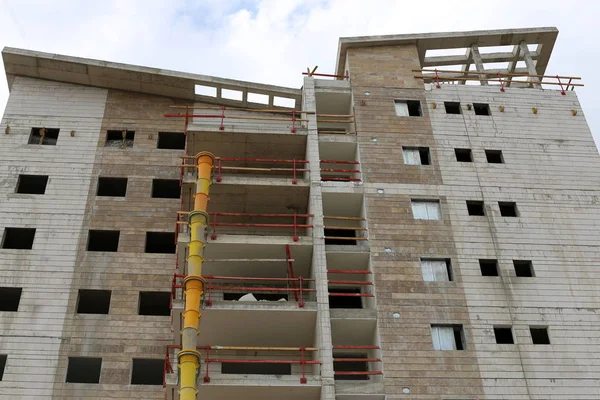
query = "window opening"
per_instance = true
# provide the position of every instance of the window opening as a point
(18, 238)
(32, 184)
(155, 303)
(92, 301)
(45, 136)
(475, 207)
(488, 267)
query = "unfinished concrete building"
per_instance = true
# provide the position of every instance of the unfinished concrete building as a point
(420, 224)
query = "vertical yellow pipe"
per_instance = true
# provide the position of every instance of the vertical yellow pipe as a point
(189, 357)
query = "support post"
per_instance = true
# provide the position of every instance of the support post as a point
(478, 63)
(530, 65)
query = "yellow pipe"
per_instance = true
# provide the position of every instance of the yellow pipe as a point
(189, 357)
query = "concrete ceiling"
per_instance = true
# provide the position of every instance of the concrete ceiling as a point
(245, 392)
(302, 256)
(273, 328)
(243, 145)
(353, 332)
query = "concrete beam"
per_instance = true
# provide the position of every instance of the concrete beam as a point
(546, 36)
(110, 75)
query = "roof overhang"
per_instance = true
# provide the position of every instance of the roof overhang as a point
(543, 37)
(110, 75)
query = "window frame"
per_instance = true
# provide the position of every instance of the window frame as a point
(426, 203)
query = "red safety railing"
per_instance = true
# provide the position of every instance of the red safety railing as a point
(258, 166)
(300, 291)
(314, 72)
(216, 221)
(356, 359)
(295, 166)
(295, 225)
(503, 78)
(339, 174)
(349, 282)
(302, 358)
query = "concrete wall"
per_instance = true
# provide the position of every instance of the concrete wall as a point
(123, 335)
(32, 337)
(551, 171)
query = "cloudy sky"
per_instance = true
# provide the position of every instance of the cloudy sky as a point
(273, 41)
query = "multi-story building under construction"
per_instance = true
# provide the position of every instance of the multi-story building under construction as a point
(419, 224)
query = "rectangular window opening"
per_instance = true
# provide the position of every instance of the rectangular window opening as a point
(337, 236)
(350, 366)
(112, 187)
(494, 156)
(284, 102)
(447, 337)
(160, 242)
(202, 90)
(426, 209)
(147, 371)
(539, 335)
(503, 335)
(508, 209)
(50, 136)
(3, 358)
(100, 240)
(463, 155)
(10, 297)
(345, 301)
(18, 238)
(524, 268)
(436, 270)
(488, 267)
(260, 296)
(256, 369)
(84, 370)
(32, 184)
(114, 138)
(452, 107)
(475, 207)
(171, 140)
(408, 108)
(416, 155)
(92, 301)
(481, 108)
(155, 303)
(166, 189)
(258, 98)
(230, 94)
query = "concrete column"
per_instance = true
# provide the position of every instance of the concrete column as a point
(319, 261)
(530, 65)
(476, 56)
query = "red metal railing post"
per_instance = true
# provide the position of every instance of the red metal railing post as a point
(295, 228)
(300, 285)
(437, 79)
(206, 377)
(294, 181)
(209, 290)
(293, 121)
(288, 255)
(219, 170)
(562, 89)
(222, 127)
(303, 364)
(501, 83)
(214, 224)
(569, 84)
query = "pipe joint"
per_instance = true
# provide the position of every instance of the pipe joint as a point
(194, 278)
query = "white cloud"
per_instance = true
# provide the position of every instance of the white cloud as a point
(273, 41)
